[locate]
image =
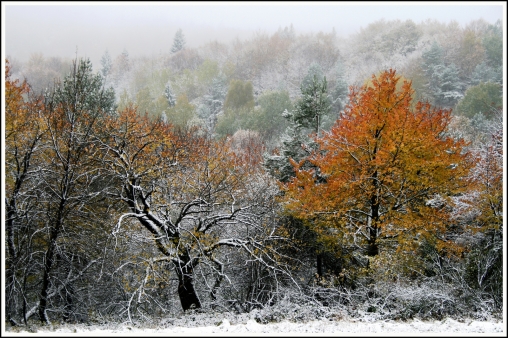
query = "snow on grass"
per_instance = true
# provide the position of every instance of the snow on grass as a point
(252, 327)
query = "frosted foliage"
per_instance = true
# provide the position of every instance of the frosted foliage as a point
(178, 42)
(340, 91)
(212, 103)
(315, 70)
(485, 73)
(106, 64)
(169, 94)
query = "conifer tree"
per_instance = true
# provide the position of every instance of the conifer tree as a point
(178, 41)
(307, 119)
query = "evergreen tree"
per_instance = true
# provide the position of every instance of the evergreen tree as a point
(443, 81)
(432, 59)
(98, 100)
(169, 94)
(307, 119)
(106, 63)
(341, 90)
(313, 106)
(449, 86)
(315, 71)
(493, 44)
(485, 73)
(178, 41)
(213, 102)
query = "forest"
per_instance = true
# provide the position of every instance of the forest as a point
(292, 174)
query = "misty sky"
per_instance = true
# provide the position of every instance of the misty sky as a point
(148, 28)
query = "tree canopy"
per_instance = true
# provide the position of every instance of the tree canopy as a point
(384, 172)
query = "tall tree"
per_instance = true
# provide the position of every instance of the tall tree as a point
(169, 94)
(192, 196)
(340, 91)
(213, 102)
(306, 119)
(71, 181)
(24, 133)
(384, 171)
(305, 122)
(106, 64)
(178, 41)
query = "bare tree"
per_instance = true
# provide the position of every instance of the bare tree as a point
(194, 196)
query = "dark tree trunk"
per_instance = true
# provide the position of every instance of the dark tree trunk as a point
(48, 264)
(188, 296)
(49, 259)
(372, 247)
(320, 264)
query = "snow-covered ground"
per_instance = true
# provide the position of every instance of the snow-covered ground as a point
(251, 327)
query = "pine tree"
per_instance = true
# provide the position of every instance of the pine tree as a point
(178, 41)
(213, 102)
(315, 71)
(449, 86)
(432, 58)
(169, 94)
(106, 63)
(443, 80)
(485, 73)
(307, 119)
(340, 92)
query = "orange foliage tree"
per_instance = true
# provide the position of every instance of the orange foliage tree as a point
(23, 143)
(384, 174)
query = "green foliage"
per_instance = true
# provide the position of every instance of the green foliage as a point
(82, 91)
(182, 113)
(240, 95)
(443, 81)
(414, 71)
(307, 118)
(313, 106)
(207, 72)
(238, 108)
(233, 120)
(493, 44)
(315, 71)
(267, 118)
(485, 98)
(149, 104)
(470, 53)
(340, 91)
(449, 86)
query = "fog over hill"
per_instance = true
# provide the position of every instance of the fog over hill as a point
(147, 29)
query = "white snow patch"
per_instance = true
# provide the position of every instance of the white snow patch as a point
(251, 327)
